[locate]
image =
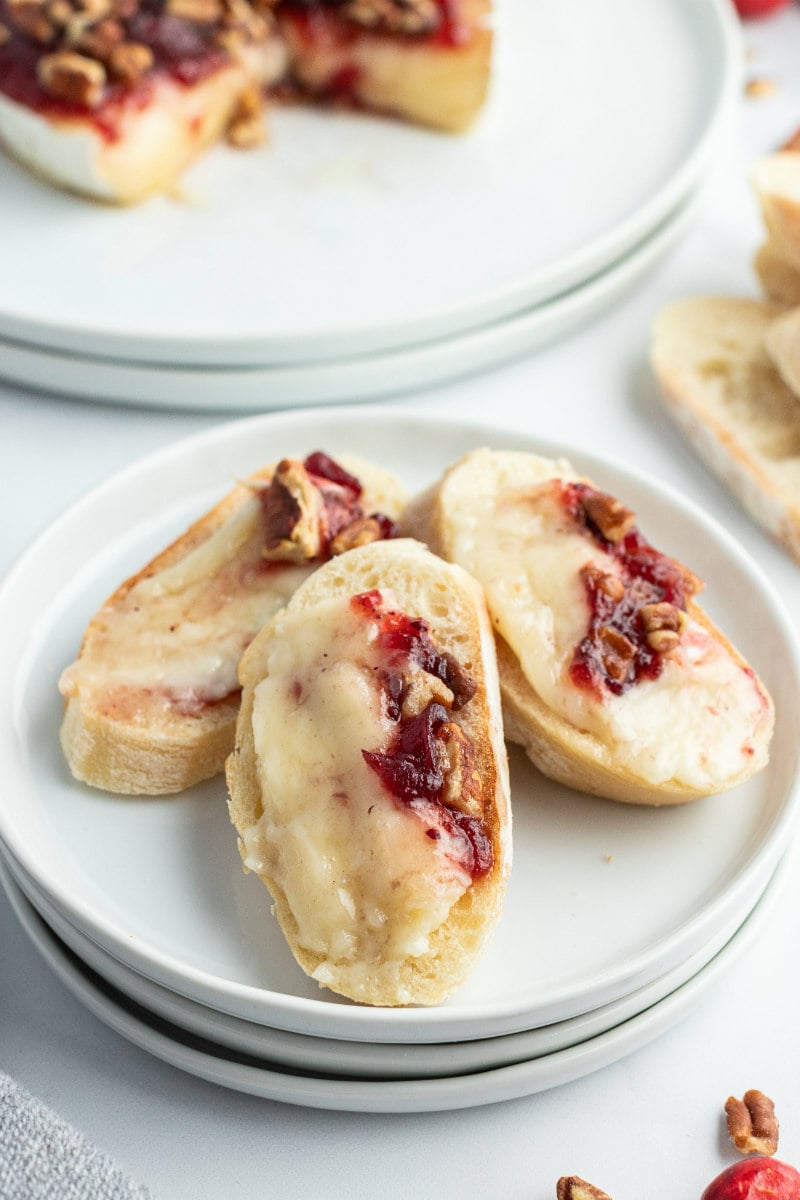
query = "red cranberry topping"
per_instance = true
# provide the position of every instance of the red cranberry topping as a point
(323, 467)
(413, 772)
(409, 639)
(616, 652)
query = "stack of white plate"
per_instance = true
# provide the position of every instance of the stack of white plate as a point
(616, 917)
(356, 257)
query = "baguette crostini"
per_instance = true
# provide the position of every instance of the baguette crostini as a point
(152, 698)
(368, 785)
(613, 679)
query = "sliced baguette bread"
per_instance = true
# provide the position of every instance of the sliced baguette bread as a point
(613, 679)
(152, 698)
(369, 783)
(719, 383)
(779, 279)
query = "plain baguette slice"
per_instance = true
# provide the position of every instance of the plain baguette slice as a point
(487, 504)
(369, 970)
(720, 385)
(777, 183)
(152, 699)
(780, 279)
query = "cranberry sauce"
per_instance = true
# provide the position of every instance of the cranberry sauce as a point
(341, 493)
(183, 50)
(314, 19)
(616, 653)
(413, 769)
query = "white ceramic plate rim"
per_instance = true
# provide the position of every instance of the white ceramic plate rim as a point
(367, 1059)
(452, 1022)
(359, 379)
(716, 33)
(211, 1063)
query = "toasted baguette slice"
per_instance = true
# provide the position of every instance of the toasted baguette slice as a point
(719, 383)
(152, 698)
(387, 878)
(777, 183)
(780, 279)
(615, 684)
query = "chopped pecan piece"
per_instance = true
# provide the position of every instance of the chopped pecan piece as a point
(202, 12)
(424, 689)
(462, 783)
(608, 515)
(662, 623)
(752, 1124)
(100, 39)
(358, 533)
(72, 77)
(570, 1187)
(30, 16)
(5, 34)
(394, 16)
(604, 581)
(292, 508)
(616, 651)
(246, 128)
(130, 61)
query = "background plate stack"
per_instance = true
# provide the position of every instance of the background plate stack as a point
(354, 257)
(616, 917)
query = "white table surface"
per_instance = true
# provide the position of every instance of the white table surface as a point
(647, 1128)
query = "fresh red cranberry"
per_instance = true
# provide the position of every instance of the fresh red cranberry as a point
(758, 8)
(755, 1179)
(324, 467)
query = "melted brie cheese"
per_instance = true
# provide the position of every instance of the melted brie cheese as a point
(695, 724)
(155, 141)
(179, 634)
(364, 882)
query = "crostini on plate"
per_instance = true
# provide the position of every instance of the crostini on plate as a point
(152, 698)
(613, 679)
(369, 784)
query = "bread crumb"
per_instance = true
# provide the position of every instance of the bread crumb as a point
(757, 89)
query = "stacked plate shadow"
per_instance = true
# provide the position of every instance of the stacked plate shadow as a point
(354, 258)
(616, 919)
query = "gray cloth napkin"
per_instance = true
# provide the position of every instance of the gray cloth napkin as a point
(44, 1158)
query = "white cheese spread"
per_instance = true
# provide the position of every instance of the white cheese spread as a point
(177, 636)
(364, 882)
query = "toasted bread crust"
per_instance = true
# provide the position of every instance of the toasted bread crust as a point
(453, 606)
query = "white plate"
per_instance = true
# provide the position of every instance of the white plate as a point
(593, 911)
(259, 1077)
(363, 1060)
(348, 235)
(368, 377)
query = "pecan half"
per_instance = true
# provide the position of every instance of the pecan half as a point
(752, 1124)
(608, 515)
(358, 533)
(570, 1187)
(30, 17)
(72, 77)
(292, 508)
(394, 16)
(130, 61)
(462, 783)
(663, 624)
(424, 689)
(616, 652)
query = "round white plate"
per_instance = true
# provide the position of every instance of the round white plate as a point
(592, 912)
(368, 377)
(363, 1060)
(347, 235)
(260, 1077)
